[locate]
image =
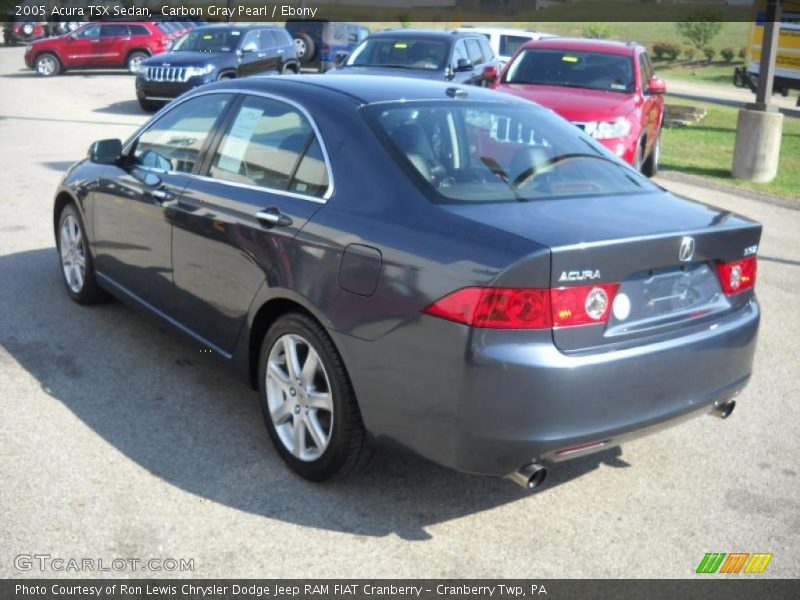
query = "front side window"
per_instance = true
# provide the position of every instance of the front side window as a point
(90, 31)
(482, 152)
(405, 53)
(488, 55)
(474, 50)
(250, 43)
(460, 52)
(271, 144)
(209, 40)
(572, 68)
(174, 141)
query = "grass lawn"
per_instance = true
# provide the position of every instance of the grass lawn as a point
(718, 73)
(706, 149)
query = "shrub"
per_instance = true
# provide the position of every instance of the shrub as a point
(742, 53)
(669, 50)
(597, 31)
(689, 52)
(709, 53)
(727, 54)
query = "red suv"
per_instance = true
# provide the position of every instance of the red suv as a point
(608, 89)
(97, 45)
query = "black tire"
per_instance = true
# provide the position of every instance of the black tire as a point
(348, 451)
(149, 106)
(290, 70)
(134, 58)
(226, 76)
(47, 64)
(650, 166)
(305, 46)
(89, 292)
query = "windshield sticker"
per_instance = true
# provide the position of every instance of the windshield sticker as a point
(208, 36)
(618, 86)
(400, 45)
(238, 139)
(572, 59)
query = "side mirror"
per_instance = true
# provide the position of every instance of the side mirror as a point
(462, 65)
(247, 50)
(106, 152)
(339, 58)
(490, 73)
(656, 86)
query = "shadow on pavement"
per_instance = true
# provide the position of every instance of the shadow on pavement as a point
(125, 107)
(58, 165)
(189, 421)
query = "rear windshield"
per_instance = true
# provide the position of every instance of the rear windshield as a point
(569, 68)
(484, 152)
(430, 55)
(210, 40)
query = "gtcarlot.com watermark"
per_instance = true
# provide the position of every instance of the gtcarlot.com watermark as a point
(59, 564)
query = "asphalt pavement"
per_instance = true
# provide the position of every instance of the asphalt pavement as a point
(119, 441)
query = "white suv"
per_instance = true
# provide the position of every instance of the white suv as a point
(505, 40)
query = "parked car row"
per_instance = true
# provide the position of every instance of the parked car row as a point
(608, 89)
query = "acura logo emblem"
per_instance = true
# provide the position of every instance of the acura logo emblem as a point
(686, 251)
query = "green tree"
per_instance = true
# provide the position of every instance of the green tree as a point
(700, 28)
(597, 31)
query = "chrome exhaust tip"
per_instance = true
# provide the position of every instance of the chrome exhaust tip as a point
(724, 409)
(530, 476)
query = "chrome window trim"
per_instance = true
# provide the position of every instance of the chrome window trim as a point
(233, 91)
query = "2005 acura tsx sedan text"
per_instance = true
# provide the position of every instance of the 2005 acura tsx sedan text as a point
(448, 268)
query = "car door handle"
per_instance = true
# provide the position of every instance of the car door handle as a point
(162, 195)
(273, 216)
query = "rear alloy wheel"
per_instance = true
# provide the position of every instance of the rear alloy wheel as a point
(135, 59)
(308, 403)
(76, 261)
(47, 65)
(650, 166)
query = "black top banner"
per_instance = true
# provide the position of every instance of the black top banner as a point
(529, 11)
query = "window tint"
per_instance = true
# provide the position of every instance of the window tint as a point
(509, 44)
(474, 50)
(267, 39)
(272, 145)
(91, 31)
(645, 70)
(250, 43)
(488, 55)
(460, 52)
(114, 31)
(139, 30)
(480, 152)
(174, 141)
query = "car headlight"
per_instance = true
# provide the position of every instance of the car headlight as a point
(603, 130)
(204, 70)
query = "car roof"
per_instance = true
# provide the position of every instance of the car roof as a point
(440, 34)
(499, 30)
(232, 27)
(606, 46)
(362, 89)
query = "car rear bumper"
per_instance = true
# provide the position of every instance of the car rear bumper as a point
(492, 401)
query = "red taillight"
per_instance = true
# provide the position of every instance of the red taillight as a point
(737, 276)
(522, 308)
(583, 304)
(497, 308)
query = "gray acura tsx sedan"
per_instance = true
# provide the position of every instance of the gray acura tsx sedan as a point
(444, 267)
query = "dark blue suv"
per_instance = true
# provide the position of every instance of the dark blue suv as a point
(213, 53)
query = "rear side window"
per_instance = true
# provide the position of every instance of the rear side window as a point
(139, 30)
(267, 39)
(174, 141)
(271, 144)
(474, 50)
(509, 44)
(114, 31)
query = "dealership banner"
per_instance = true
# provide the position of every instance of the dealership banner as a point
(405, 11)
(396, 589)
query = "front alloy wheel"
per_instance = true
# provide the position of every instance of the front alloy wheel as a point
(47, 65)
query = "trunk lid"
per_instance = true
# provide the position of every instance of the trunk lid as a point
(635, 241)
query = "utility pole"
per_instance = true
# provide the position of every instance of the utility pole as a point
(760, 125)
